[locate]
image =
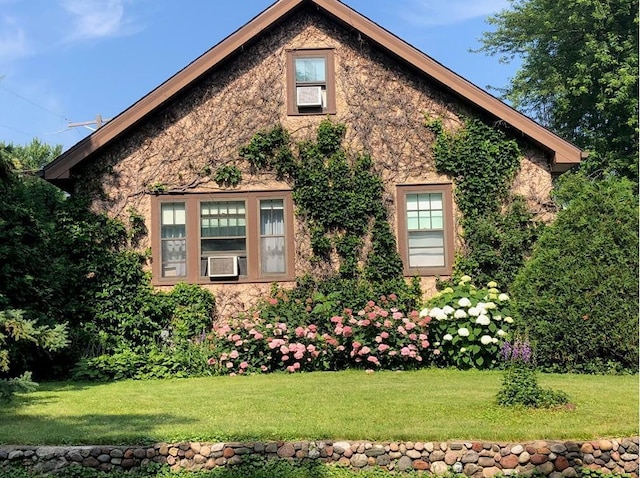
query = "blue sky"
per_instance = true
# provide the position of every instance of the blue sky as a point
(65, 61)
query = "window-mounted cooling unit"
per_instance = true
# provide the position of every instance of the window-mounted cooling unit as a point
(223, 266)
(309, 96)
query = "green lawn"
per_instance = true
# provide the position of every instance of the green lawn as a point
(427, 405)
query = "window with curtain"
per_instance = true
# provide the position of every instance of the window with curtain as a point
(173, 232)
(272, 236)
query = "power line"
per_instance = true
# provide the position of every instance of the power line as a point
(33, 103)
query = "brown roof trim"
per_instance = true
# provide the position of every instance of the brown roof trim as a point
(564, 154)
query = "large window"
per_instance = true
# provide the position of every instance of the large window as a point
(243, 237)
(310, 82)
(425, 229)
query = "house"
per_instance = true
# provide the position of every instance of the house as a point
(295, 64)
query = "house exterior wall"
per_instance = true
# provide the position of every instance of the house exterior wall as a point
(381, 101)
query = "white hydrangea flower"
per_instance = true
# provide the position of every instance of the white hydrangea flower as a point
(501, 333)
(503, 297)
(483, 320)
(448, 290)
(465, 278)
(486, 339)
(474, 311)
(424, 313)
(437, 344)
(460, 314)
(494, 340)
(492, 285)
(447, 309)
(497, 318)
(463, 349)
(447, 337)
(464, 302)
(490, 305)
(438, 314)
(493, 290)
(463, 332)
(493, 296)
(508, 320)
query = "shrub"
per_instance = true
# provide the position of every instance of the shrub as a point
(468, 324)
(578, 294)
(520, 384)
(377, 336)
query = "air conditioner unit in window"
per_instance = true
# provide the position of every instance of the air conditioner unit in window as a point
(223, 266)
(309, 96)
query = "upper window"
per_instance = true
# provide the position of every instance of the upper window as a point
(223, 237)
(310, 82)
(425, 229)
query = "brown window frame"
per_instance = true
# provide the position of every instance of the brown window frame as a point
(193, 236)
(448, 227)
(330, 80)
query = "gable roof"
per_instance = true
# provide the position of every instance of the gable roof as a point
(562, 153)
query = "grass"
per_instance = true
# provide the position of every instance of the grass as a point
(426, 405)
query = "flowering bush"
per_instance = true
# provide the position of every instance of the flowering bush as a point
(469, 324)
(520, 384)
(375, 337)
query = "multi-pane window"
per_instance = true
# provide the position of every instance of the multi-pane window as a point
(223, 232)
(244, 236)
(311, 81)
(272, 236)
(173, 239)
(425, 228)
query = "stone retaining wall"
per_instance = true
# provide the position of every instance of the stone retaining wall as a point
(555, 459)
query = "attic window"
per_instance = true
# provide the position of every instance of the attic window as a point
(310, 82)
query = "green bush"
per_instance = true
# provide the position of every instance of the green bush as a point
(578, 294)
(469, 325)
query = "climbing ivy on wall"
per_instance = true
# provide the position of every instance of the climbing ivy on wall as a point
(499, 230)
(338, 195)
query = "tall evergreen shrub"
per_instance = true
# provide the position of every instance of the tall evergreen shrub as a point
(578, 294)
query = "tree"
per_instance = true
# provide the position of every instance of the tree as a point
(15, 328)
(579, 73)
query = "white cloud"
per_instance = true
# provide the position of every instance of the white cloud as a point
(13, 41)
(437, 12)
(97, 19)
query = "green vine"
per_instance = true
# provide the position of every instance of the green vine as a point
(340, 198)
(229, 176)
(499, 231)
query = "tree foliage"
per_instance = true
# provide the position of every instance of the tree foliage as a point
(578, 294)
(15, 328)
(579, 73)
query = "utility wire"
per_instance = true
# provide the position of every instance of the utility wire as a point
(34, 103)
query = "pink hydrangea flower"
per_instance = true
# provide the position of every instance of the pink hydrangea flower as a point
(229, 364)
(244, 365)
(300, 331)
(347, 331)
(258, 336)
(285, 358)
(365, 350)
(356, 345)
(405, 352)
(397, 315)
(383, 347)
(373, 359)
(211, 361)
(272, 300)
(384, 335)
(234, 354)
